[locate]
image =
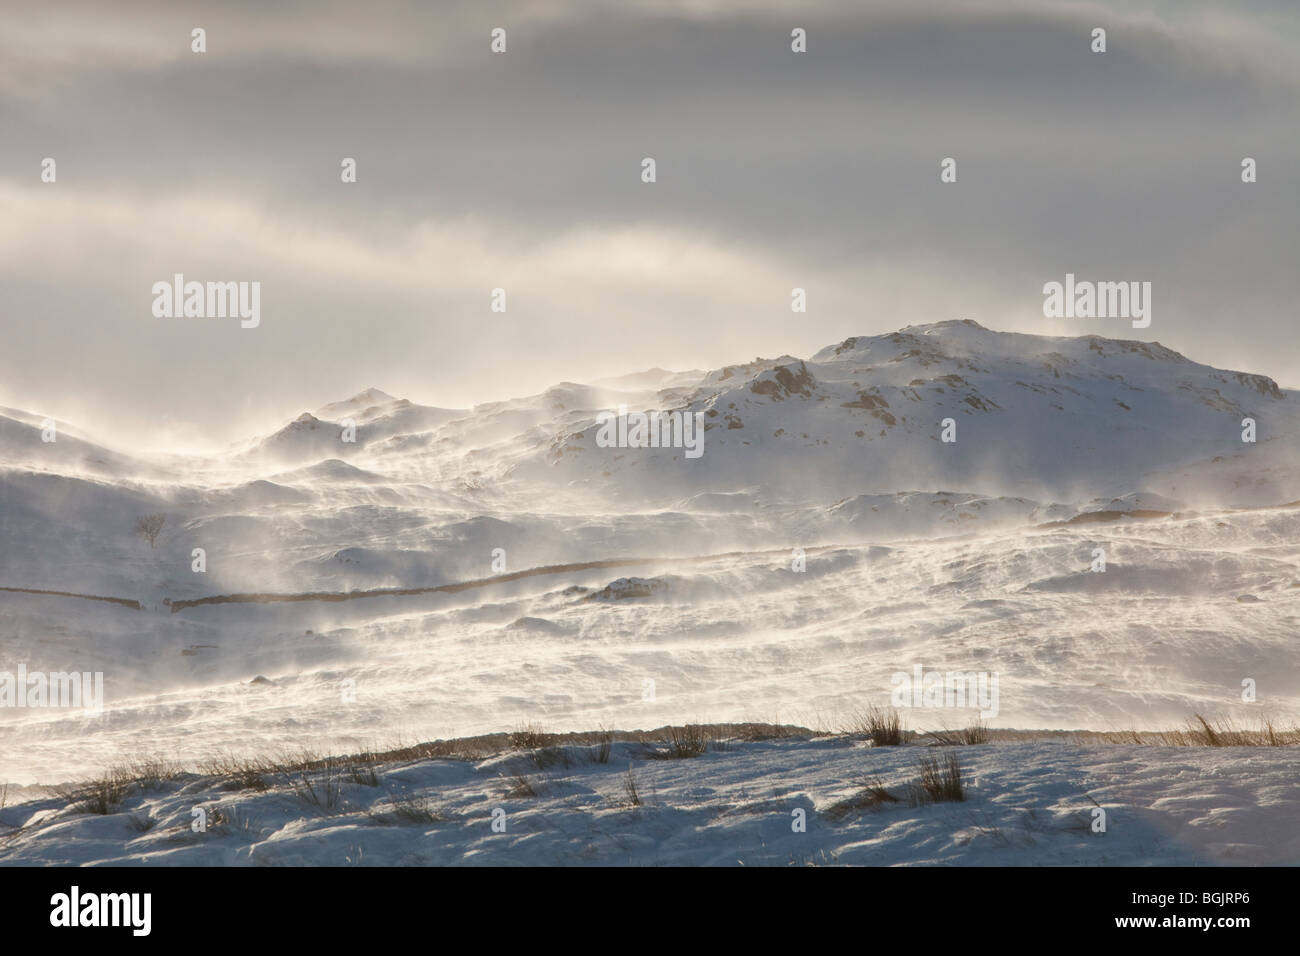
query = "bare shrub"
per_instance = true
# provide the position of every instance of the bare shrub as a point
(690, 740)
(149, 527)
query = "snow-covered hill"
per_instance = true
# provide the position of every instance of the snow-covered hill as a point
(825, 538)
(1038, 416)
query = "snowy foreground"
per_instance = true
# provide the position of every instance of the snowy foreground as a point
(1027, 803)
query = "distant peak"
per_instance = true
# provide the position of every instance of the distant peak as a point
(359, 403)
(949, 324)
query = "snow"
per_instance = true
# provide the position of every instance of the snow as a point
(468, 570)
(1029, 803)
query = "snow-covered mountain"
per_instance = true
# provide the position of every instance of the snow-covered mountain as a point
(844, 445)
(1032, 415)
(546, 575)
(1051, 418)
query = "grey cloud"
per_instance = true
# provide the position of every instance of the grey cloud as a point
(1122, 166)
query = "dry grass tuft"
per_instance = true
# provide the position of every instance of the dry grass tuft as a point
(241, 773)
(603, 747)
(521, 786)
(101, 796)
(412, 809)
(976, 733)
(884, 725)
(940, 780)
(689, 740)
(529, 737)
(630, 791)
(1201, 731)
(871, 796)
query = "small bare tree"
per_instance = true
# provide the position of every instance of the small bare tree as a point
(149, 526)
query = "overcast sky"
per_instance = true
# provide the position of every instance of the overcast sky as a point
(523, 171)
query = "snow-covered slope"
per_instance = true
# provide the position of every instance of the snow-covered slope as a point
(545, 576)
(1037, 416)
(1027, 804)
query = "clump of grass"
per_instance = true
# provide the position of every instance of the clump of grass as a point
(419, 810)
(1211, 738)
(604, 745)
(413, 809)
(521, 786)
(152, 773)
(1273, 740)
(993, 833)
(1201, 731)
(630, 792)
(543, 753)
(1080, 821)
(976, 733)
(871, 796)
(227, 821)
(689, 740)
(317, 783)
(101, 796)
(544, 758)
(884, 725)
(240, 773)
(940, 780)
(363, 776)
(529, 737)
(1218, 732)
(105, 794)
